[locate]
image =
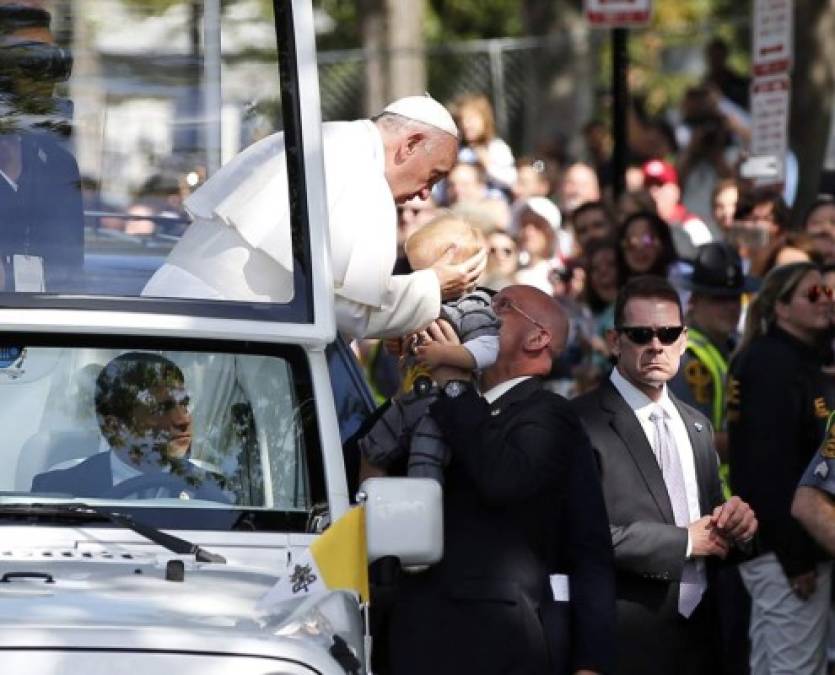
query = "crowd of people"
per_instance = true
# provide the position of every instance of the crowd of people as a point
(696, 317)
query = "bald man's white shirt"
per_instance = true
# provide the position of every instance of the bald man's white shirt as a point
(238, 247)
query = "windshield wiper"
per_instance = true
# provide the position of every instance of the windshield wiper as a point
(89, 512)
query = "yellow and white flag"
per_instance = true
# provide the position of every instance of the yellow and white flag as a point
(337, 560)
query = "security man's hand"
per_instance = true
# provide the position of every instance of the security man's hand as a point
(456, 279)
(706, 540)
(735, 519)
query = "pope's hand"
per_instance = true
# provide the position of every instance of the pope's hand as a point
(456, 279)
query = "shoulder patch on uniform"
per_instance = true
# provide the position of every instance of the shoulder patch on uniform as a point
(828, 449)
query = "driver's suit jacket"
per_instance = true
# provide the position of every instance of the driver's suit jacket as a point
(94, 478)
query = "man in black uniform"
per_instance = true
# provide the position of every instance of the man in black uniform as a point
(41, 212)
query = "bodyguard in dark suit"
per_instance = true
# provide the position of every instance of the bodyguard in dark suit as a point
(41, 210)
(659, 472)
(143, 412)
(512, 521)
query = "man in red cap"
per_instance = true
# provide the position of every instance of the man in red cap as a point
(661, 180)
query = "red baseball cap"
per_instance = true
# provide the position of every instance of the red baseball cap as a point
(659, 172)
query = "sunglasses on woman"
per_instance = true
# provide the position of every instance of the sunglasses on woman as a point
(642, 335)
(641, 241)
(816, 292)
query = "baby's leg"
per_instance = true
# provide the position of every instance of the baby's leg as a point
(428, 452)
(388, 440)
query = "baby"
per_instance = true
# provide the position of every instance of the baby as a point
(405, 430)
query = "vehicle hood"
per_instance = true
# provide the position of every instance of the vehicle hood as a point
(124, 602)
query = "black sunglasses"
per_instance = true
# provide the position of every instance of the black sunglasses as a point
(642, 335)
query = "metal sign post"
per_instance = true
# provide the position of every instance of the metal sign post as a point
(619, 15)
(620, 108)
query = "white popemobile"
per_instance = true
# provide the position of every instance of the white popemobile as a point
(161, 521)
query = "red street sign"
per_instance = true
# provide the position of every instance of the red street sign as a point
(617, 13)
(772, 32)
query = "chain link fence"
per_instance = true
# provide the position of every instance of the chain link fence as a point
(509, 71)
(540, 87)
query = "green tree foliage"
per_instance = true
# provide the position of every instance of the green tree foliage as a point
(679, 31)
(346, 16)
(471, 19)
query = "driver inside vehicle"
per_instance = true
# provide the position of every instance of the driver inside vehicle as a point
(143, 412)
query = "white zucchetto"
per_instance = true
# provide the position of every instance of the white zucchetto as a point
(424, 109)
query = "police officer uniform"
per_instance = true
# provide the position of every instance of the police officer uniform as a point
(700, 381)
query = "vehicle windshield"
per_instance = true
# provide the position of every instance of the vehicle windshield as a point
(116, 112)
(174, 434)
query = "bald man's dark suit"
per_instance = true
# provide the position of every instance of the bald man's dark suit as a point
(649, 549)
(521, 501)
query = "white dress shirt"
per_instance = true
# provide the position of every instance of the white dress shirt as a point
(643, 406)
(502, 388)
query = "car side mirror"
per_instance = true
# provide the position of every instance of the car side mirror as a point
(404, 519)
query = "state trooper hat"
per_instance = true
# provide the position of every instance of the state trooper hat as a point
(717, 270)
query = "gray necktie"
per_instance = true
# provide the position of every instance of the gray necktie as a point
(693, 580)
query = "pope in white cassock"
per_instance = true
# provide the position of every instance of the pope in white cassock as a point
(238, 246)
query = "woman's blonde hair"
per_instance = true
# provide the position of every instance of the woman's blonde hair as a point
(778, 286)
(481, 104)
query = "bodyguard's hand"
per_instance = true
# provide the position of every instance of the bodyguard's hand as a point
(456, 279)
(706, 540)
(735, 519)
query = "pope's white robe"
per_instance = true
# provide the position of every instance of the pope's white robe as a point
(238, 246)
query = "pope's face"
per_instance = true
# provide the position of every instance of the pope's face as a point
(418, 165)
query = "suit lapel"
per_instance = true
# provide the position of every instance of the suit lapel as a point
(97, 476)
(698, 435)
(626, 426)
